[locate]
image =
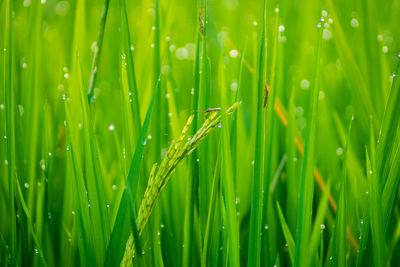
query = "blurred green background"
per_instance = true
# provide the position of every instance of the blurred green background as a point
(46, 65)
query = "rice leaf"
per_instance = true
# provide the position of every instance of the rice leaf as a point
(306, 181)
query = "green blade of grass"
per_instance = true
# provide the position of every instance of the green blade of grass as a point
(211, 212)
(291, 169)
(364, 236)
(375, 204)
(120, 233)
(204, 102)
(194, 167)
(130, 68)
(307, 180)
(318, 227)
(5, 249)
(353, 73)
(30, 225)
(94, 177)
(391, 188)
(10, 128)
(389, 128)
(288, 235)
(229, 195)
(271, 150)
(35, 105)
(254, 248)
(80, 203)
(97, 50)
(339, 235)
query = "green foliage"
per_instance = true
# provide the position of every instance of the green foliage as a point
(96, 171)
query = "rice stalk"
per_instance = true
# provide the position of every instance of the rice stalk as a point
(159, 174)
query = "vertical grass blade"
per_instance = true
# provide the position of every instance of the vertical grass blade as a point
(130, 68)
(339, 235)
(10, 127)
(211, 213)
(194, 169)
(94, 177)
(306, 181)
(319, 227)
(97, 51)
(229, 195)
(254, 248)
(82, 216)
(375, 205)
(288, 235)
(121, 229)
(391, 188)
(30, 225)
(389, 128)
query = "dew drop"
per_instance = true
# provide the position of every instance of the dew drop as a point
(322, 226)
(26, 185)
(326, 34)
(111, 127)
(354, 23)
(266, 227)
(42, 164)
(305, 84)
(237, 200)
(234, 53)
(114, 187)
(234, 86)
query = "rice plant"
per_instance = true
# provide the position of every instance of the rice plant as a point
(199, 133)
